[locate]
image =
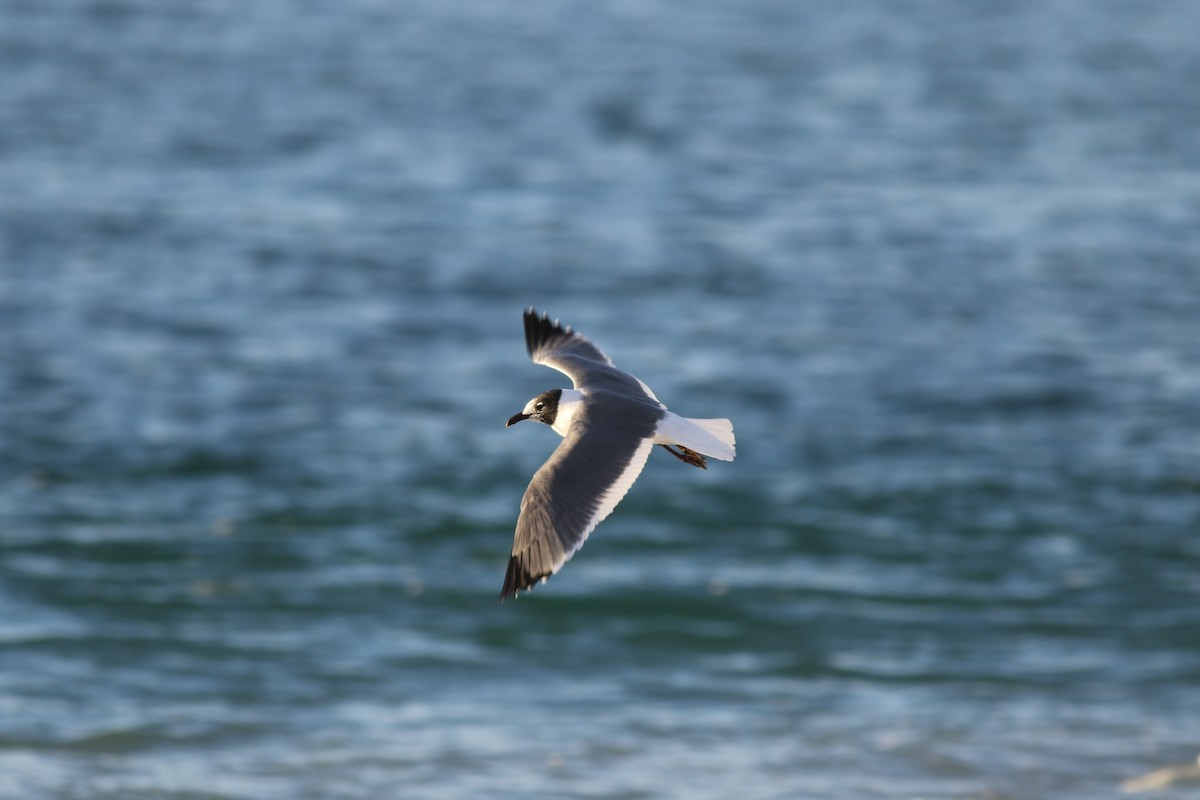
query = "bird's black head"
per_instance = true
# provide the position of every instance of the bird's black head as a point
(543, 408)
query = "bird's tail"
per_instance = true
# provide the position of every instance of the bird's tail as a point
(710, 437)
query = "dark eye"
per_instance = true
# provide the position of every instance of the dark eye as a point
(538, 407)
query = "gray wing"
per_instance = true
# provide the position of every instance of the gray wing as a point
(559, 347)
(578, 486)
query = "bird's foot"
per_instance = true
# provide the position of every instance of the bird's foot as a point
(687, 456)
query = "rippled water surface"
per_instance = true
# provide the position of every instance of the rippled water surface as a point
(261, 273)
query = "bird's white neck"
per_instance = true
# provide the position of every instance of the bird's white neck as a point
(570, 402)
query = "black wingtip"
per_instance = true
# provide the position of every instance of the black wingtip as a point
(539, 330)
(517, 578)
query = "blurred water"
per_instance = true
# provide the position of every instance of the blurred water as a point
(261, 274)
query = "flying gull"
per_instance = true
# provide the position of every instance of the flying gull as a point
(609, 422)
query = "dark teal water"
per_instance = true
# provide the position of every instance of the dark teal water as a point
(261, 273)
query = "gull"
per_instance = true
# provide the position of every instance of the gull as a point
(609, 421)
(1163, 777)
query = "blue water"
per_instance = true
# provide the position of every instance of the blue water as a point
(262, 267)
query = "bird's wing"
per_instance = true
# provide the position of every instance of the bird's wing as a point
(578, 486)
(573, 354)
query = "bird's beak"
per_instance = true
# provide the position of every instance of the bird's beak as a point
(515, 418)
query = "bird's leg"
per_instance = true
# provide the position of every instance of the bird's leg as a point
(687, 456)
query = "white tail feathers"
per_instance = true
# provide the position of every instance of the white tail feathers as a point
(710, 437)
